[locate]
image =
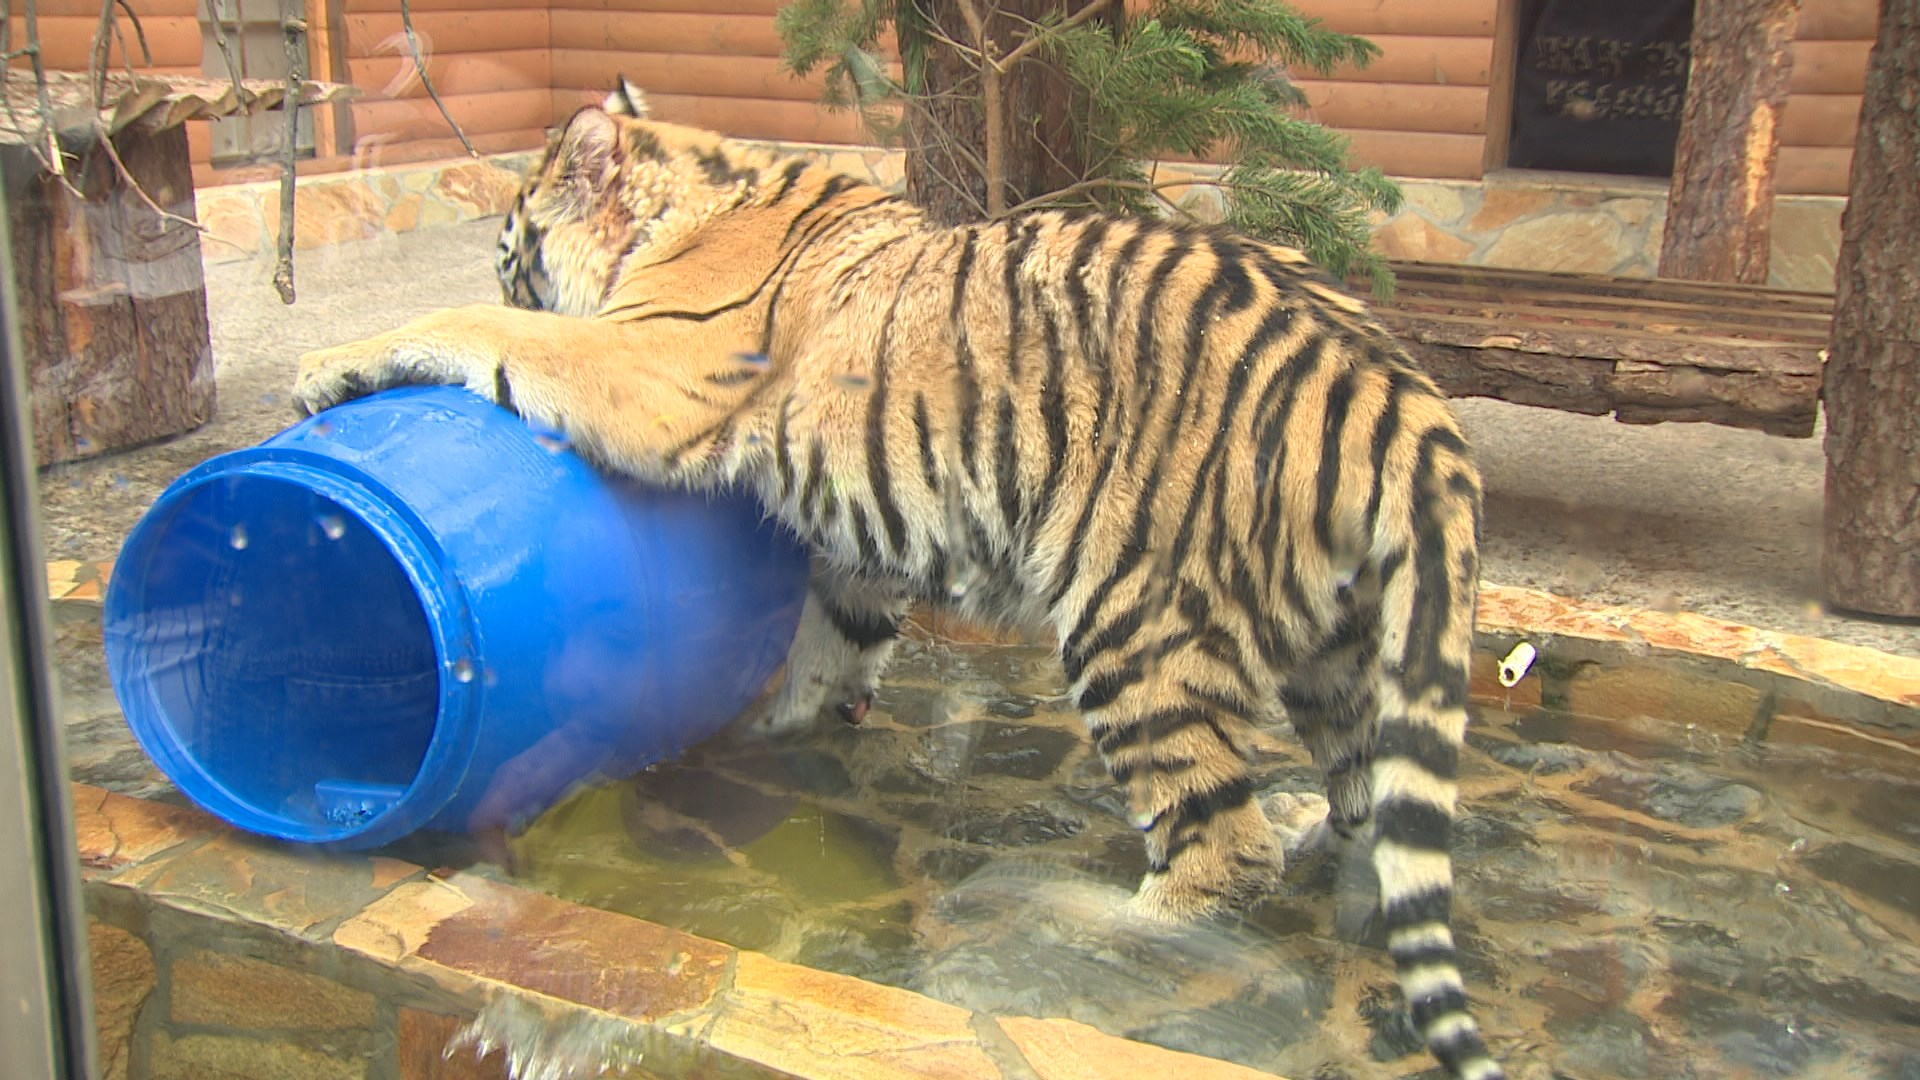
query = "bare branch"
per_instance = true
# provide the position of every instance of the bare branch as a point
(1035, 38)
(992, 107)
(113, 152)
(105, 33)
(139, 32)
(126, 53)
(934, 33)
(240, 96)
(97, 56)
(420, 65)
(13, 115)
(50, 153)
(292, 27)
(976, 25)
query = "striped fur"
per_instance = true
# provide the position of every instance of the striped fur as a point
(1222, 485)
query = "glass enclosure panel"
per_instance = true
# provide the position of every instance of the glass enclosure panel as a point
(782, 605)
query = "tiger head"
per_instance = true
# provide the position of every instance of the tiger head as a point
(613, 185)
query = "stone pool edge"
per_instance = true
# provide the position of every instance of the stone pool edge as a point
(211, 946)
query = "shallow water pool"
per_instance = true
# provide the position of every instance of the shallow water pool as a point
(1635, 898)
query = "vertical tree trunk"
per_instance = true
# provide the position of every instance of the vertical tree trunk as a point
(946, 132)
(1720, 213)
(1872, 380)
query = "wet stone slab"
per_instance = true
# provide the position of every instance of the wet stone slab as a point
(1610, 873)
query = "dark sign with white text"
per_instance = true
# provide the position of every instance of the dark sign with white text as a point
(1599, 85)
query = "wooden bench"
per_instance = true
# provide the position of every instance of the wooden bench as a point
(1644, 350)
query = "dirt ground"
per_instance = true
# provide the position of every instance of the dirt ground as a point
(1681, 517)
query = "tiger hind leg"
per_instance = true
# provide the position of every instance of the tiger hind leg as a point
(1329, 699)
(1175, 739)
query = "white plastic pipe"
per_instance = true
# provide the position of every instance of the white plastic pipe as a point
(1514, 667)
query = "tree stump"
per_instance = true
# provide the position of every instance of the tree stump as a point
(1720, 212)
(113, 304)
(1872, 391)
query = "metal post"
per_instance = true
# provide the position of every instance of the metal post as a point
(46, 1008)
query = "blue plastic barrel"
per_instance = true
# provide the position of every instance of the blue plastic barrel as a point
(412, 611)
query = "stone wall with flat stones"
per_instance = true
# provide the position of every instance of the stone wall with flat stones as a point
(1516, 220)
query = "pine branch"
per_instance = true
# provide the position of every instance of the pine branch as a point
(1171, 78)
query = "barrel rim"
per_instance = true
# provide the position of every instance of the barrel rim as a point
(436, 586)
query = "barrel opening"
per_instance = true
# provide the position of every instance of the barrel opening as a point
(279, 650)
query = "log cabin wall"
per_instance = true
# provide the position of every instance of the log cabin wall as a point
(1829, 70)
(1431, 106)
(709, 63)
(1420, 109)
(491, 61)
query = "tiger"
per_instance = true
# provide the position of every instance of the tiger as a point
(1228, 492)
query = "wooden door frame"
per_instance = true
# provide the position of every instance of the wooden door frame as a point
(1500, 77)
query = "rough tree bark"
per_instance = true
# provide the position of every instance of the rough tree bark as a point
(1720, 212)
(1872, 387)
(946, 132)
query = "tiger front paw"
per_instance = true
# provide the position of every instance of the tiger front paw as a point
(329, 377)
(811, 704)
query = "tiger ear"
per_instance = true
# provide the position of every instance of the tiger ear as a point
(627, 99)
(587, 145)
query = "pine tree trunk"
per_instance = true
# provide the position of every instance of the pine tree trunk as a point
(946, 132)
(1720, 213)
(1872, 379)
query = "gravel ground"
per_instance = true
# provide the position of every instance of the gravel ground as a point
(1682, 517)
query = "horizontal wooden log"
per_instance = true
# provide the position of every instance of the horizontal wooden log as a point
(703, 35)
(1813, 170)
(1439, 110)
(1820, 120)
(1418, 154)
(1599, 343)
(1838, 20)
(1450, 18)
(1569, 384)
(66, 41)
(1772, 402)
(1426, 59)
(1830, 67)
(1773, 387)
(477, 114)
(443, 33)
(1775, 402)
(1436, 278)
(1610, 313)
(453, 73)
(687, 75)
